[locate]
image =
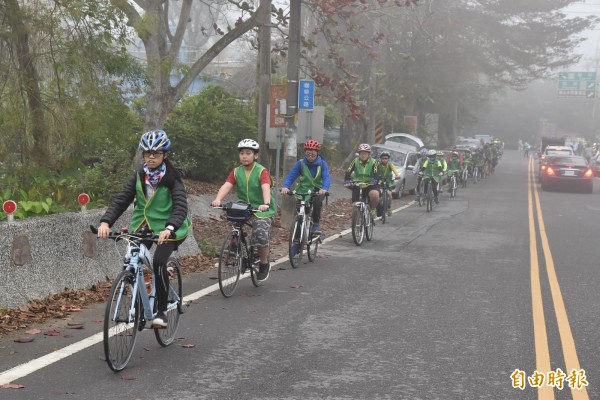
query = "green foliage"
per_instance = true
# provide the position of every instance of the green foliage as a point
(205, 130)
(43, 193)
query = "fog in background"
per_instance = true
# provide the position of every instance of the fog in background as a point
(515, 115)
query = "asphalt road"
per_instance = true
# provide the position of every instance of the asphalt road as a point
(440, 305)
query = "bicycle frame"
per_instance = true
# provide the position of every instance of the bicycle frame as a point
(138, 256)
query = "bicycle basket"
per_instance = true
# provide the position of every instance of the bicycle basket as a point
(238, 212)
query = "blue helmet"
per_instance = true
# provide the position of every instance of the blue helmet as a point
(155, 140)
(423, 151)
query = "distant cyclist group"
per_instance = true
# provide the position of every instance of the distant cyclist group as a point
(160, 215)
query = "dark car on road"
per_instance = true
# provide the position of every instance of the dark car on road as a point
(567, 172)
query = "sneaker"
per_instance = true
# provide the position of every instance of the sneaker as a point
(316, 228)
(389, 212)
(160, 321)
(373, 214)
(294, 250)
(263, 272)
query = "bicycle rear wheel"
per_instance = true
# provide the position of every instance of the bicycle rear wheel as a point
(175, 305)
(453, 186)
(120, 328)
(358, 226)
(313, 246)
(230, 264)
(295, 239)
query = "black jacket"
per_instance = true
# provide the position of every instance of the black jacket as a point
(172, 179)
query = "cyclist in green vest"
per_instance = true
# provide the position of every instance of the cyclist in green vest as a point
(454, 166)
(312, 173)
(253, 186)
(160, 206)
(388, 173)
(363, 169)
(432, 168)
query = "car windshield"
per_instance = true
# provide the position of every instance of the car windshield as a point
(576, 161)
(557, 152)
(398, 158)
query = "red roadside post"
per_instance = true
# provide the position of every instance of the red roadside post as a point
(83, 199)
(9, 207)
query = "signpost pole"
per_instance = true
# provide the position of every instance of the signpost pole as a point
(279, 138)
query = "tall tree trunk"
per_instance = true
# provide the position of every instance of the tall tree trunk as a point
(29, 82)
(264, 79)
(293, 71)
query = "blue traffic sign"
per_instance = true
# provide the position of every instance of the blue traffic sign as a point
(306, 94)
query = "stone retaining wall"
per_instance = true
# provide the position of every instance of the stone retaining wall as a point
(44, 255)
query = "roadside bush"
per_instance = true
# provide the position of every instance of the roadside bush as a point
(205, 130)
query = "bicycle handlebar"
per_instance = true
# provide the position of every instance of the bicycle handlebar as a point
(309, 193)
(145, 235)
(227, 206)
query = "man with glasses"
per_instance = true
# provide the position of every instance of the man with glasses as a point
(312, 173)
(160, 207)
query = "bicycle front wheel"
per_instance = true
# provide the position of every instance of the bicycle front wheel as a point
(368, 224)
(384, 206)
(358, 226)
(453, 187)
(295, 239)
(230, 264)
(120, 326)
(254, 262)
(165, 337)
(429, 199)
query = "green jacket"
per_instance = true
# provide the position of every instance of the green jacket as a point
(249, 190)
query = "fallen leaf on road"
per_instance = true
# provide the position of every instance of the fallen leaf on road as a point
(98, 320)
(52, 333)
(188, 346)
(75, 326)
(33, 331)
(128, 378)
(296, 286)
(24, 340)
(12, 386)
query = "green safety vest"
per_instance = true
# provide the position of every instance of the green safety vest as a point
(249, 190)
(307, 182)
(364, 173)
(155, 212)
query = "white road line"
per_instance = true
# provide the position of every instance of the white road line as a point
(27, 368)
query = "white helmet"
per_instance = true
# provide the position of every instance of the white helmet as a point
(248, 144)
(364, 147)
(431, 153)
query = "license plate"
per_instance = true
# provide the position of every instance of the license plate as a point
(569, 173)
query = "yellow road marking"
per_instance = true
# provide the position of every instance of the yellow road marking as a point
(542, 352)
(564, 328)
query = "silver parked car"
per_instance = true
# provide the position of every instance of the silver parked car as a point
(404, 159)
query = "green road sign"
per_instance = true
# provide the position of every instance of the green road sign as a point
(577, 84)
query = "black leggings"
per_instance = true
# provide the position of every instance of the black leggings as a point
(159, 264)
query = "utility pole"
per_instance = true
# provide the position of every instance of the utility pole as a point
(293, 71)
(264, 78)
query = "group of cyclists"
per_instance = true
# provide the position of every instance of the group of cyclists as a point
(161, 206)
